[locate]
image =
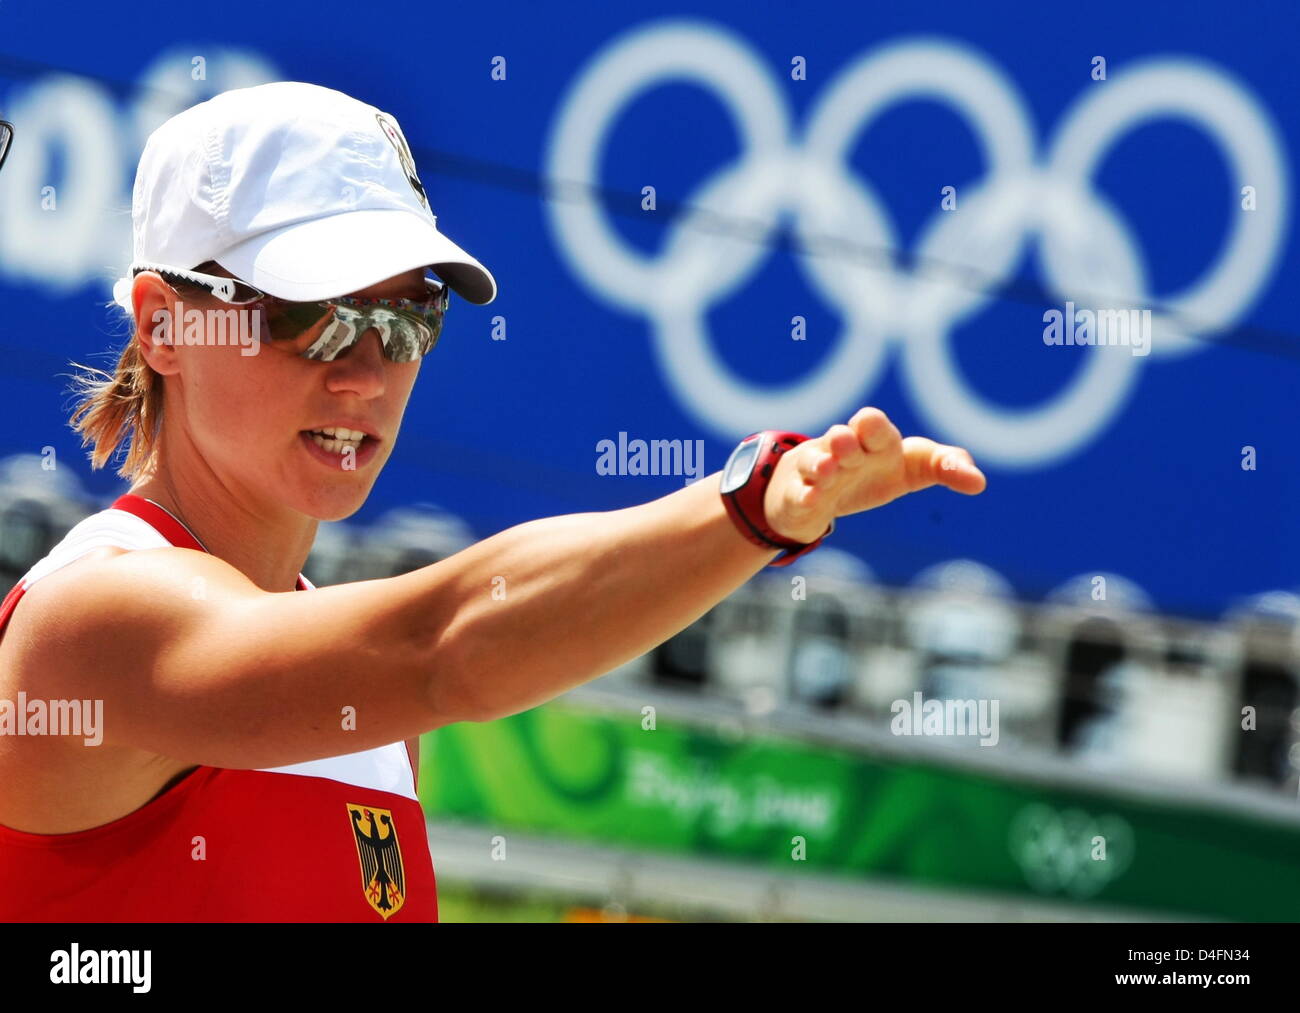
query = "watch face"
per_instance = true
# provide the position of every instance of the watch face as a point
(740, 466)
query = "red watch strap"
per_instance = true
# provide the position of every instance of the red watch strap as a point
(745, 505)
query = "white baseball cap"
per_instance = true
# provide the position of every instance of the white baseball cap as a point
(299, 190)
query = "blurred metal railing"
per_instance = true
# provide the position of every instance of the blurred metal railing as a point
(1107, 684)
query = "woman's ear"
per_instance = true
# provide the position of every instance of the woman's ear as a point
(156, 328)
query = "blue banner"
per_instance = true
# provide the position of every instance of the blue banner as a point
(1059, 236)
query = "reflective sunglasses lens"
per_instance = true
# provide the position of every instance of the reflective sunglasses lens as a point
(405, 334)
(410, 335)
(288, 321)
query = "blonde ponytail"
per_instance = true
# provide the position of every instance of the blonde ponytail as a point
(122, 407)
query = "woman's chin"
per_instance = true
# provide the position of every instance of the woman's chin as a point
(336, 492)
(335, 499)
(337, 504)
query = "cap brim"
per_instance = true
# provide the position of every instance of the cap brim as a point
(331, 257)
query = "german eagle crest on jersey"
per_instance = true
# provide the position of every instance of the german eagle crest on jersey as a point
(383, 881)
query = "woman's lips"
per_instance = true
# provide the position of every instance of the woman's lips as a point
(345, 461)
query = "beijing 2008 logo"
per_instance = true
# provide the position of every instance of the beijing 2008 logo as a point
(1087, 245)
(1070, 852)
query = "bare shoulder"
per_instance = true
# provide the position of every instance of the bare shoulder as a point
(60, 783)
(25, 640)
(106, 605)
(195, 663)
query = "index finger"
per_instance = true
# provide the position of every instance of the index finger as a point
(929, 463)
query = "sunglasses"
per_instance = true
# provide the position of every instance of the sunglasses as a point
(408, 328)
(6, 136)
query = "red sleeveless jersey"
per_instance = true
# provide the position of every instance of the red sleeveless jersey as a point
(335, 840)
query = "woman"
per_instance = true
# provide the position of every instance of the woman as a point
(250, 763)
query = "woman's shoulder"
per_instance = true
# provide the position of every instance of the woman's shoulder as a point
(98, 537)
(107, 529)
(82, 588)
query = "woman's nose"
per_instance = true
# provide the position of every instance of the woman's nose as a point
(362, 369)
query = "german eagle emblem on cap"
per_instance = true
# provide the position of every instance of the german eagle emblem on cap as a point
(404, 156)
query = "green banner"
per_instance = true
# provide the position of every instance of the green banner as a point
(684, 789)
